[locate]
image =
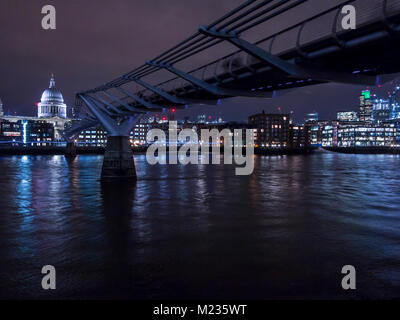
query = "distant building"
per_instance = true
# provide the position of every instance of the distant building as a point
(1, 109)
(330, 134)
(40, 133)
(201, 118)
(28, 132)
(395, 104)
(367, 136)
(361, 134)
(10, 131)
(381, 115)
(51, 110)
(366, 107)
(310, 117)
(272, 130)
(347, 116)
(138, 135)
(95, 137)
(314, 132)
(238, 138)
(381, 110)
(52, 102)
(298, 136)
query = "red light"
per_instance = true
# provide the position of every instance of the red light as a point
(279, 108)
(37, 104)
(164, 118)
(173, 110)
(209, 117)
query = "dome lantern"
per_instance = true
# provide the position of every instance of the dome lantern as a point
(52, 82)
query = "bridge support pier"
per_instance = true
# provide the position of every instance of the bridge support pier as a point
(118, 160)
(70, 150)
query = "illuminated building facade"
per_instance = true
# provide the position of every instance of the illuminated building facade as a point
(138, 134)
(10, 131)
(272, 130)
(394, 98)
(201, 118)
(1, 109)
(330, 134)
(298, 136)
(312, 117)
(95, 137)
(367, 136)
(361, 135)
(366, 107)
(52, 102)
(381, 110)
(314, 132)
(347, 116)
(27, 132)
(238, 138)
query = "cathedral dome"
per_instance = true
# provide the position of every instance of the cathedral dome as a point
(52, 94)
(52, 102)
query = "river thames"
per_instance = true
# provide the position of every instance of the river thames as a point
(200, 231)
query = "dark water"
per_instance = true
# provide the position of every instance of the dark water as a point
(200, 231)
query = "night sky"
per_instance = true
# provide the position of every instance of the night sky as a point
(98, 40)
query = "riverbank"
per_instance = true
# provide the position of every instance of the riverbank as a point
(364, 150)
(48, 150)
(283, 151)
(51, 150)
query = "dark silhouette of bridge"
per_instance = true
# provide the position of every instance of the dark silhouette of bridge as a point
(313, 51)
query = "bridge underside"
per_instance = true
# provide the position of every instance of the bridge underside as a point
(374, 52)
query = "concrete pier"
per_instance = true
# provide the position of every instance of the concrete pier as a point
(118, 160)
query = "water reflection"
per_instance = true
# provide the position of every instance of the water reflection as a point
(117, 208)
(199, 231)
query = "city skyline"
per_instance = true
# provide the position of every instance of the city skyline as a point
(275, 105)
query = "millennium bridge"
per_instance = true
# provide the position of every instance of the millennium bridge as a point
(257, 61)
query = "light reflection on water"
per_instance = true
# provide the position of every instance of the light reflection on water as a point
(199, 231)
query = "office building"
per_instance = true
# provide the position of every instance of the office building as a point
(271, 130)
(347, 116)
(366, 107)
(311, 117)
